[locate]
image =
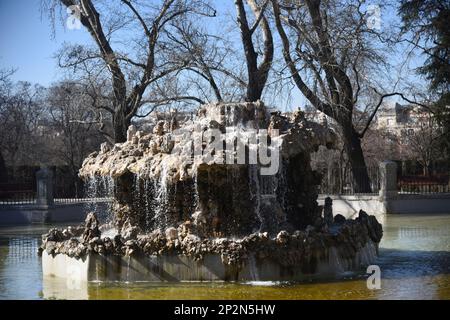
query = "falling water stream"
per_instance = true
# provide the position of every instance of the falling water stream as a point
(255, 190)
(100, 190)
(161, 198)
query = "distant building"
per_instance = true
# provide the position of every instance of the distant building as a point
(148, 123)
(315, 115)
(401, 120)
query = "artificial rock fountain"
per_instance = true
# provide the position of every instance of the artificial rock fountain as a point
(229, 195)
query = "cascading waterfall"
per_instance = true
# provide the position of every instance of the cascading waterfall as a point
(195, 195)
(108, 194)
(161, 198)
(255, 192)
(137, 192)
(89, 190)
(142, 195)
(254, 274)
(100, 191)
(147, 202)
(127, 280)
(234, 181)
(281, 192)
(335, 261)
(230, 116)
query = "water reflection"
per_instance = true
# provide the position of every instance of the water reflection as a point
(20, 269)
(54, 288)
(414, 261)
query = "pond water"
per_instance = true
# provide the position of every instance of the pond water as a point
(414, 262)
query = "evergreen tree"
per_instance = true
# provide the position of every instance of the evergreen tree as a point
(428, 23)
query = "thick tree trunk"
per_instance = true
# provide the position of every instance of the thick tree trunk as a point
(352, 144)
(3, 173)
(121, 124)
(254, 91)
(257, 75)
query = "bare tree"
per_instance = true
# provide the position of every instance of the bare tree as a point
(5, 85)
(3, 172)
(379, 145)
(72, 140)
(211, 73)
(20, 110)
(257, 73)
(136, 29)
(423, 143)
(327, 47)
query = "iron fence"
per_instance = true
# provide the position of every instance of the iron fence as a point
(82, 200)
(336, 180)
(423, 184)
(20, 186)
(67, 185)
(18, 192)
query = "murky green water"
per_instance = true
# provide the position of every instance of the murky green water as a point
(414, 261)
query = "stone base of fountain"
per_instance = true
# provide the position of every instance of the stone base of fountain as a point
(176, 268)
(321, 251)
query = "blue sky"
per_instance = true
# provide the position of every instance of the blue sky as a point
(26, 41)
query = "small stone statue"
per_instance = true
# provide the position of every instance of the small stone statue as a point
(328, 211)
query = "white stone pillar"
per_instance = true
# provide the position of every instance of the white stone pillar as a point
(388, 184)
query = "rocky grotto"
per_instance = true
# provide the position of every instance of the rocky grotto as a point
(173, 195)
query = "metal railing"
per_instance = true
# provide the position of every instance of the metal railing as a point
(343, 181)
(19, 192)
(423, 184)
(81, 200)
(63, 189)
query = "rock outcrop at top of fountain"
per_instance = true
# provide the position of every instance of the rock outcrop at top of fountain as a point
(174, 195)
